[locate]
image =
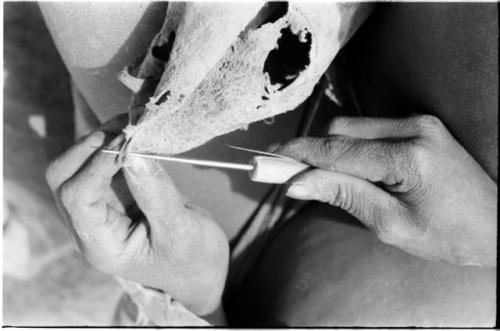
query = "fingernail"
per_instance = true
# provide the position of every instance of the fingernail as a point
(96, 138)
(117, 141)
(139, 166)
(300, 191)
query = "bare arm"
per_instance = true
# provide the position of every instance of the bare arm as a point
(97, 40)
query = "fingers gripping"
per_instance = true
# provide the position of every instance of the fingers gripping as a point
(70, 161)
(374, 160)
(96, 177)
(81, 180)
(153, 190)
(356, 196)
(84, 196)
(66, 165)
(374, 207)
(98, 229)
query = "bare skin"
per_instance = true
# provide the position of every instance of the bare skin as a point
(324, 268)
(407, 58)
(433, 199)
(290, 309)
(94, 74)
(192, 269)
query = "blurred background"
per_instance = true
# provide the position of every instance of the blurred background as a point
(45, 281)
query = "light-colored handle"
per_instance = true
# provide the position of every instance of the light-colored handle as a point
(275, 170)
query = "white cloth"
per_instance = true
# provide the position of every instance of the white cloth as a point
(153, 308)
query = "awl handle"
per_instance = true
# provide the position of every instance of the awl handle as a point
(275, 170)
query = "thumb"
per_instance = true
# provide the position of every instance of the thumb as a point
(360, 198)
(153, 190)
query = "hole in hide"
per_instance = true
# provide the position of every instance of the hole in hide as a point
(162, 98)
(289, 59)
(162, 52)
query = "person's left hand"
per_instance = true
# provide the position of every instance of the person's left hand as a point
(408, 180)
(149, 235)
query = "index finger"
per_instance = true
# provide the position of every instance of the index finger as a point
(70, 161)
(97, 174)
(373, 160)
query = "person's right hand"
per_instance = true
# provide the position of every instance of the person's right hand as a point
(408, 180)
(169, 246)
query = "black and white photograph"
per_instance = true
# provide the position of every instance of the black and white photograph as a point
(250, 164)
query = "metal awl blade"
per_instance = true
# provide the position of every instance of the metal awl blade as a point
(256, 151)
(198, 162)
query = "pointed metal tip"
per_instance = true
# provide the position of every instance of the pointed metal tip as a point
(258, 152)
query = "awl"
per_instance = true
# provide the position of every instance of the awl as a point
(263, 169)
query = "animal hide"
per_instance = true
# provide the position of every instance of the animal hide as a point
(217, 67)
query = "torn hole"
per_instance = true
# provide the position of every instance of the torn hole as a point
(289, 58)
(162, 98)
(162, 52)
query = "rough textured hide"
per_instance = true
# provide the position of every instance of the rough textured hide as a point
(228, 65)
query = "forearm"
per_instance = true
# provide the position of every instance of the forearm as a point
(97, 40)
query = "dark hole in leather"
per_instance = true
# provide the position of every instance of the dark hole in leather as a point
(284, 63)
(163, 98)
(162, 52)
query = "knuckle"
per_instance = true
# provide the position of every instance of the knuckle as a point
(386, 231)
(334, 145)
(101, 263)
(428, 124)
(326, 146)
(322, 151)
(340, 198)
(339, 123)
(298, 143)
(103, 259)
(420, 156)
(414, 165)
(328, 195)
(68, 194)
(293, 147)
(394, 225)
(379, 151)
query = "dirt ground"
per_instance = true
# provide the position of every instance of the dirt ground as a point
(46, 282)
